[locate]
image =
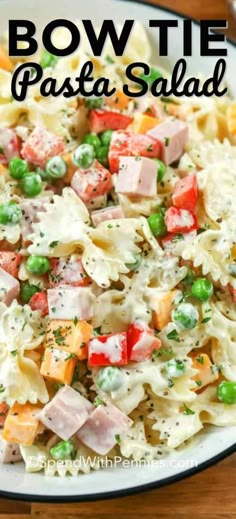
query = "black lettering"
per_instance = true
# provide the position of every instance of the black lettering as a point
(27, 80)
(75, 37)
(137, 80)
(218, 76)
(163, 31)
(14, 37)
(187, 50)
(178, 74)
(108, 27)
(206, 37)
(101, 88)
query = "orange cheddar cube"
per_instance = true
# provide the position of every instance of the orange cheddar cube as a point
(231, 118)
(71, 168)
(58, 365)
(205, 373)
(162, 309)
(69, 336)
(5, 62)
(118, 101)
(21, 424)
(142, 123)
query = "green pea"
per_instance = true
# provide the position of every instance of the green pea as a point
(136, 264)
(10, 213)
(175, 368)
(106, 137)
(226, 392)
(84, 156)
(185, 316)
(102, 155)
(27, 291)
(94, 102)
(152, 76)
(62, 450)
(48, 60)
(161, 169)
(232, 269)
(31, 184)
(56, 168)
(92, 139)
(37, 265)
(43, 174)
(157, 224)
(110, 379)
(18, 168)
(190, 277)
(202, 289)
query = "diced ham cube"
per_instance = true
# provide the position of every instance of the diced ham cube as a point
(70, 302)
(108, 349)
(104, 428)
(100, 120)
(68, 271)
(30, 209)
(92, 182)
(173, 136)
(127, 144)
(180, 220)
(141, 341)
(9, 452)
(66, 412)
(41, 145)
(10, 262)
(9, 145)
(9, 287)
(109, 213)
(137, 176)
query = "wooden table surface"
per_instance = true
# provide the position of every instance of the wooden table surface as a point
(209, 494)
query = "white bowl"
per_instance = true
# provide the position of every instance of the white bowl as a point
(213, 444)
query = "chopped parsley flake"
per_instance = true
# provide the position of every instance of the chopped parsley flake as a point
(173, 336)
(187, 410)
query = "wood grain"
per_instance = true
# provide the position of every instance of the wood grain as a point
(209, 494)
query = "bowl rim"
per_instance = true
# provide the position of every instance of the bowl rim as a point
(15, 496)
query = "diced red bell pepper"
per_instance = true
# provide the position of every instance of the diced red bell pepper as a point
(10, 145)
(232, 291)
(180, 220)
(127, 144)
(10, 262)
(141, 342)
(186, 193)
(68, 271)
(106, 350)
(169, 242)
(3, 413)
(92, 182)
(41, 145)
(39, 301)
(101, 120)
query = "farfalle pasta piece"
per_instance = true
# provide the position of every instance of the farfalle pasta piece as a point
(21, 331)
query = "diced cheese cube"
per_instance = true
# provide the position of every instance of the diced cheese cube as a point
(21, 424)
(70, 336)
(58, 365)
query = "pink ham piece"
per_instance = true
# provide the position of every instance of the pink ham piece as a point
(41, 145)
(103, 428)
(70, 302)
(9, 144)
(137, 176)
(173, 136)
(9, 287)
(66, 412)
(9, 452)
(109, 213)
(30, 209)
